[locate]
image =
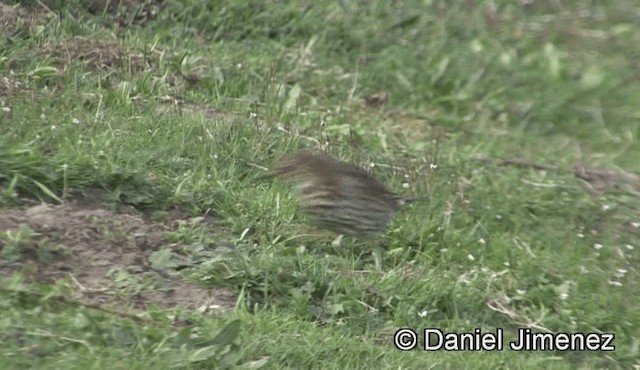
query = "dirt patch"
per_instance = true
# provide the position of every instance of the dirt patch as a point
(125, 12)
(595, 181)
(9, 86)
(97, 55)
(170, 104)
(15, 17)
(104, 254)
(9, 16)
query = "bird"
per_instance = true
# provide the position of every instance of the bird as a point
(339, 196)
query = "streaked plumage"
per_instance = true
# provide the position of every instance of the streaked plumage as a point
(340, 196)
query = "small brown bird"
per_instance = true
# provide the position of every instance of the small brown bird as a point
(339, 196)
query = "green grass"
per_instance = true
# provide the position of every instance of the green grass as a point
(87, 100)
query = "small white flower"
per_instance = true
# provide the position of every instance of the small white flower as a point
(372, 165)
(635, 224)
(6, 109)
(53, 127)
(564, 296)
(244, 233)
(629, 247)
(520, 291)
(615, 283)
(433, 166)
(75, 121)
(499, 217)
(605, 207)
(620, 273)
(482, 241)
(597, 246)
(583, 269)
(423, 313)
(580, 235)
(43, 116)
(405, 185)
(443, 250)
(471, 257)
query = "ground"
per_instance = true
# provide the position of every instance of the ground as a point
(89, 244)
(139, 226)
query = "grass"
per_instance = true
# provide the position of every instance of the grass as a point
(90, 99)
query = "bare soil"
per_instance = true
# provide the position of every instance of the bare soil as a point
(88, 244)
